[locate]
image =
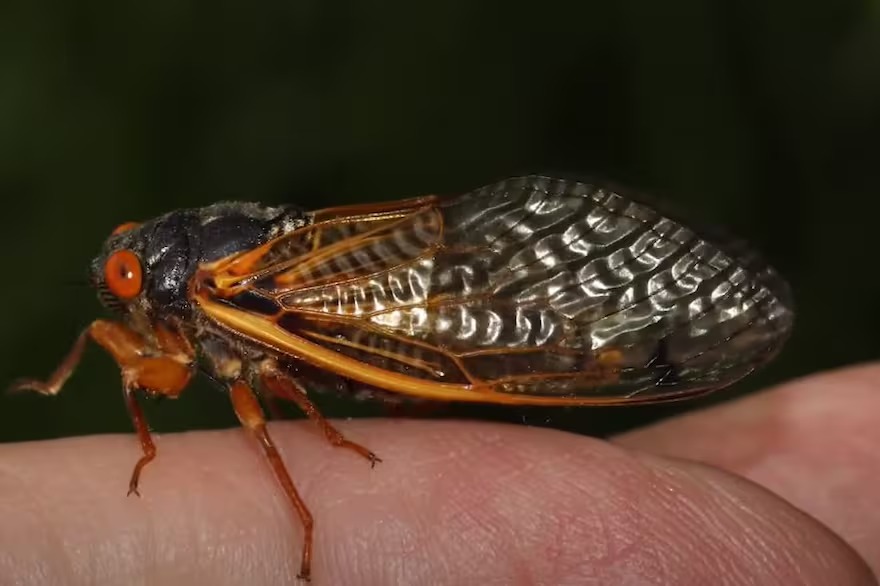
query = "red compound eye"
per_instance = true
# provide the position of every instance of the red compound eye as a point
(123, 274)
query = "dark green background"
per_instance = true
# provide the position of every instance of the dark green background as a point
(761, 116)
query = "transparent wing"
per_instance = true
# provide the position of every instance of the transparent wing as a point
(532, 287)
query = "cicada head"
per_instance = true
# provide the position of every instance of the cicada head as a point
(144, 268)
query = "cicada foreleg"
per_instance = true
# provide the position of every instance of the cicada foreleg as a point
(282, 385)
(53, 385)
(165, 370)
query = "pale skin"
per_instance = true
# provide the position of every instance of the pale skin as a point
(779, 488)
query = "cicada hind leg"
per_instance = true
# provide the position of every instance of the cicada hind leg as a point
(281, 385)
(165, 370)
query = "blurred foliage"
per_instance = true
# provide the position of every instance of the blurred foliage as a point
(761, 116)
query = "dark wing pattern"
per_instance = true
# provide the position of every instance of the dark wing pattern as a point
(533, 286)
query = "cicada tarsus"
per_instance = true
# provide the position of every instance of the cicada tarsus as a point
(530, 291)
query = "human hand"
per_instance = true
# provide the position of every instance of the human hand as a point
(466, 503)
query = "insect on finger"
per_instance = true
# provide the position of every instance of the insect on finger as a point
(530, 291)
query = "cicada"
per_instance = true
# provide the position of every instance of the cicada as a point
(530, 291)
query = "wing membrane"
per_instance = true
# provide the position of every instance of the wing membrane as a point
(519, 292)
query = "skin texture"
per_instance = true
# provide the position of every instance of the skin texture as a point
(687, 501)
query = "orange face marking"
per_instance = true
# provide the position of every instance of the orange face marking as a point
(124, 228)
(123, 274)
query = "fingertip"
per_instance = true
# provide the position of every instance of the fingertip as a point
(452, 503)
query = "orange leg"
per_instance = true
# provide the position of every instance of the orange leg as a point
(143, 431)
(166, 374)
(282, 385)
(56, 380)
(248, 410)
